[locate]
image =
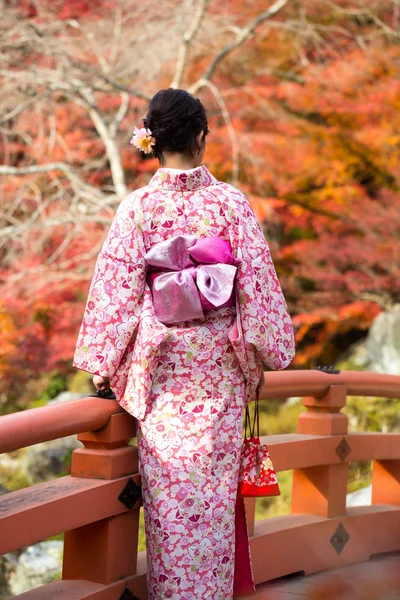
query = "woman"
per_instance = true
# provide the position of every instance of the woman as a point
(183, 308)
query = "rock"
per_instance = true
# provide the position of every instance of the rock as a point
(65, 397)
(383, 342)
(5, 570)
(292, 401)
(362, 497)
(380, 350)
(359, 358)
(37, 565)
(3, 490)
(11, 475)
(43, 461)
(37, 463)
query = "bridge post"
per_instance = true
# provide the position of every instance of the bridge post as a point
(104, 551)
(386, 482)
(321, 490)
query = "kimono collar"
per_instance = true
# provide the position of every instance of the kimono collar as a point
(182, 181)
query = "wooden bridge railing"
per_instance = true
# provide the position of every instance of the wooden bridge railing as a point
(97, 506)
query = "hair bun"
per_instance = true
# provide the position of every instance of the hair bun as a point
(159, 131)
(175, 119)
(192, 117)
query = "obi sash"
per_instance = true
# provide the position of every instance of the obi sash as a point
(188, 275)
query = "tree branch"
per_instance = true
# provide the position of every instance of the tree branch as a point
(117, 172)
(365, 12)
(112, 82)
(384, 299)
(228, 122)
(120, 114)
(79, 92)
(243, 35)
(113, 153)
(294, 198)
(56, 166)
(21, 107)
(185, 43)
(29, 226)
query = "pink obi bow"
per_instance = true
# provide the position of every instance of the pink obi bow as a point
(188, 275)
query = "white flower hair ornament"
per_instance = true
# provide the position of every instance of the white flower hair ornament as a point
(143, 140)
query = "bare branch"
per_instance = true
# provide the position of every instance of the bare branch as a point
(51, 223)
(80, 94)
(8, 170)
(21, 107)
(56, 166)
(243, 35)
(366, 12)
(384, 299)
(318, 210)
(62, 275)
(228, 122)
(91, 38)
(63, 246)
(117, 34)
(396, 14)
(185, 44)
(344, 11)
(88, 101)
(385, 28)
(120, 114)
(112, 151)
(112, 82)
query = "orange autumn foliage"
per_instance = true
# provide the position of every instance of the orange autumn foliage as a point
(316, 127)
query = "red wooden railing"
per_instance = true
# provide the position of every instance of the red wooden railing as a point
(100, 545)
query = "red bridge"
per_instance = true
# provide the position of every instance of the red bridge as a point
(97, 506)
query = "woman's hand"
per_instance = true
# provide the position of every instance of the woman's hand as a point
(101, 383)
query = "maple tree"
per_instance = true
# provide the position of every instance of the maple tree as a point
(303, 104)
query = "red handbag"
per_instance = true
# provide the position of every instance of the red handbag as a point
(257, 475)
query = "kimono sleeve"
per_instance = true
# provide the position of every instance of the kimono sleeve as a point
(265, 319)
(113, 305)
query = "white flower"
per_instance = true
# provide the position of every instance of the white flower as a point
(143, 140)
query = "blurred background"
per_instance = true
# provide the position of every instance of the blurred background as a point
(303, 99)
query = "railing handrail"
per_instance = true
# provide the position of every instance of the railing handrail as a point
(104, 473)
(45, 423)
(36, 425)
(284, 384)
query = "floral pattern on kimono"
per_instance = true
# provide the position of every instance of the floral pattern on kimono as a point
(187, 383)
(113, 308)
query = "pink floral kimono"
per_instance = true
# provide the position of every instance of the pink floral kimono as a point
(186, 382)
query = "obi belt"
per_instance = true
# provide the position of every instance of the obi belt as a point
(189, 275)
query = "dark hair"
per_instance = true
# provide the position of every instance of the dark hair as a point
(175, 119)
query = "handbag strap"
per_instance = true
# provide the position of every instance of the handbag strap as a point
(253, 427)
